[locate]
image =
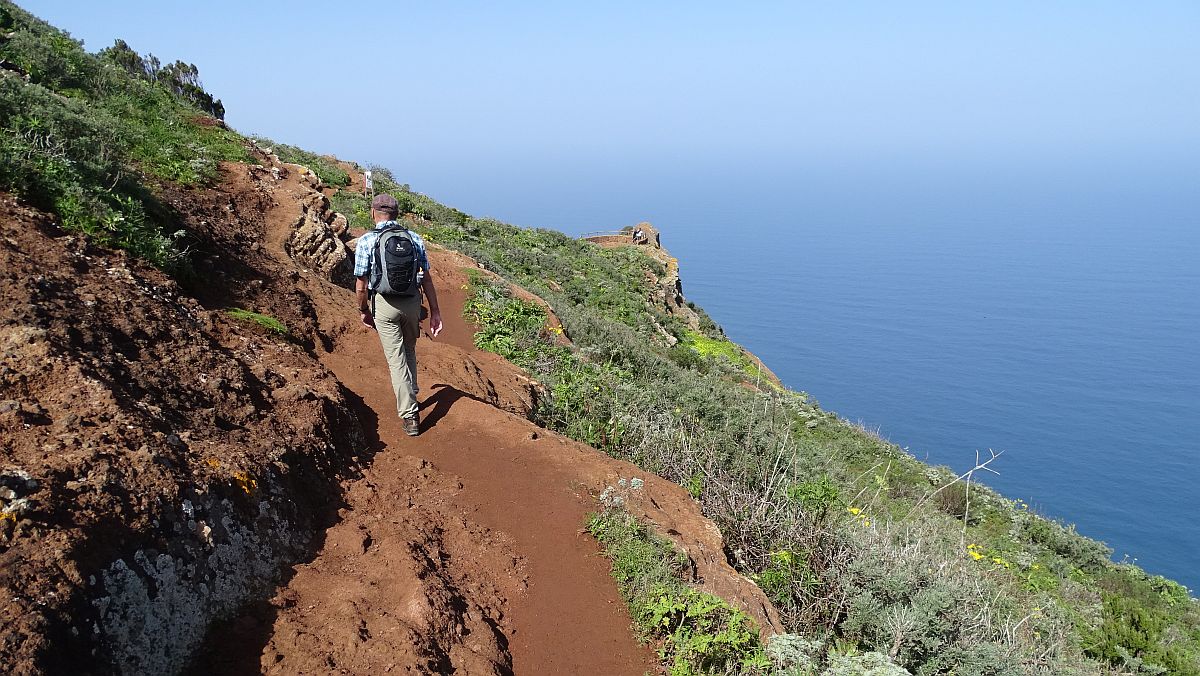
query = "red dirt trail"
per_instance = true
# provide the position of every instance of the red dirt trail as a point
(569, 618)
(458, 551)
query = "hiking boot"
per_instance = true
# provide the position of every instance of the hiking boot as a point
(412, 426)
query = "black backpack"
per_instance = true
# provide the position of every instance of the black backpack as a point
(394, 263)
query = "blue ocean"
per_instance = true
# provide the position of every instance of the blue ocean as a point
(1047, 314)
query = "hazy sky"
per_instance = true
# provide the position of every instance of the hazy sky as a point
(460, 94)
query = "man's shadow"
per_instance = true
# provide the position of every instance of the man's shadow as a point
(442, 400)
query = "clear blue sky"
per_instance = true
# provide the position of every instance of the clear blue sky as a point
(453, 95)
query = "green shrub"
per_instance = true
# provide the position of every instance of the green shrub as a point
(505, 322)
(787, 571)
(1147, 624)
(1133, 635)
(819, 498)
(722, 348)
(955, 500)
(698, 632)
(59, 154)
(1081, 551)
(49, 57)
(687, 358)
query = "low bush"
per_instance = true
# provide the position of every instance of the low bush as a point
(722, 349)
(356, 207)
(60, 155)
(1148, 624)
(697, 632)
(1076, 549)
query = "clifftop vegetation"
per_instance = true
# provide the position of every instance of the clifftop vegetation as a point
(88, 136)
(872, 557)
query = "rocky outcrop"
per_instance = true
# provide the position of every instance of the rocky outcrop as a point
(156, 605)
(666, 289)
(317, 240)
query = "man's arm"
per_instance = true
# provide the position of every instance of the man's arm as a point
(435, 314)
(364, 307)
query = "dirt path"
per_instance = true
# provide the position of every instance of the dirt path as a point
(563, 613)
(461, 550)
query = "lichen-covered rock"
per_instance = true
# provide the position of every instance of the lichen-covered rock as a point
(155, 610)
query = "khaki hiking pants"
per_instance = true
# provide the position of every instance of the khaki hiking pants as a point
(398, 320)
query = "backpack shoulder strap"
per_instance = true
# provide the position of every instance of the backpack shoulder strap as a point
(376, 269)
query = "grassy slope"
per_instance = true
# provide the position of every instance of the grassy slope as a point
(862, 547)
(89, 141)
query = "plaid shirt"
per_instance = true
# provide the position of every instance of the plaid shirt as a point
(366, 244)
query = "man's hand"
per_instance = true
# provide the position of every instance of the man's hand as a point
(435, 323)
(368, 320)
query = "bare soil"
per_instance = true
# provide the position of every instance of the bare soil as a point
(136, 420)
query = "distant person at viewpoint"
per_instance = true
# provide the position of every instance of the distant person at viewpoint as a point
(392, 269)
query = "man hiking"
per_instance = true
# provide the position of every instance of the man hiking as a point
(392, 269)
